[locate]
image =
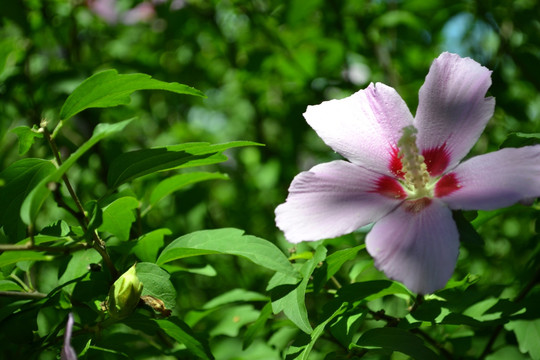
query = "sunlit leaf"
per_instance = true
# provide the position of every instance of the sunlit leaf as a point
(13, 257)
(148, 245)
(228, 241)
(118, 217)
(108, 88)
(26, 137)
(290, 297)
(156, 282)
(177, 182)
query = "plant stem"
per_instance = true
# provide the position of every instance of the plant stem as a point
(95, 241)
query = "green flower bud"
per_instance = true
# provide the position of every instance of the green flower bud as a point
(125, 294)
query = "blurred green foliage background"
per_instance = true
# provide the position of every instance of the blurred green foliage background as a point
(261, 63)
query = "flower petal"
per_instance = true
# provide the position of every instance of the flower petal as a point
(452, 109)
(68, 353)
(364, 127)
(330, 200)
(416, 245)
(497, 179)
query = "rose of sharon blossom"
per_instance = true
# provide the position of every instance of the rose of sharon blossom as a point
(405, 174)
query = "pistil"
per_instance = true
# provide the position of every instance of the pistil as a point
(416, 178)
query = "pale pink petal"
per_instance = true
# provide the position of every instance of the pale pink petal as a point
(364, 127)
(416, 244)
(497, 179)
(68, 353)
(333, 199)
(105, 9)
(452, 109)
(141, 13)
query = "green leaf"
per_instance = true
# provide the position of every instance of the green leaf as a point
(336, 260)
(181, 332)
(370, 290)
(302, 348)
(134, 164)
(108, 88)
(26, 137)
(518, 139)
(118, 217)
(396, 339)
(228, 241)
(19, 179)
(177, 182)
(8, 285)
(235, 295)
(257, 326)
(148, 245)
(232, 319)
(290, 298)
(78, 265)
(156, 282)
(13, 257)
(33, 202)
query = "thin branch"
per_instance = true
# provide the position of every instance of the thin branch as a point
(56, 153)
(95, 240)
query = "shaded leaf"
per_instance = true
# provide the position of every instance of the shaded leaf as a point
(257, 326)
(19, 179)
(35, 199)
(181, 332)
(302, 348)
(396, 339)
(236, 295)
(518, 139)
(78, 265)
(108, 88)
(134, 164)
(232, 319)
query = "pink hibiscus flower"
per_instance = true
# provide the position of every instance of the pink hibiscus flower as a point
(405, 174)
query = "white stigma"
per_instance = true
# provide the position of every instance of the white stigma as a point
(417, 179)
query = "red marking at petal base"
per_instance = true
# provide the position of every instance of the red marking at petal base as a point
(446, 185)
(415, 206)
(395, 163)
(436, 159)
(389, 187)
